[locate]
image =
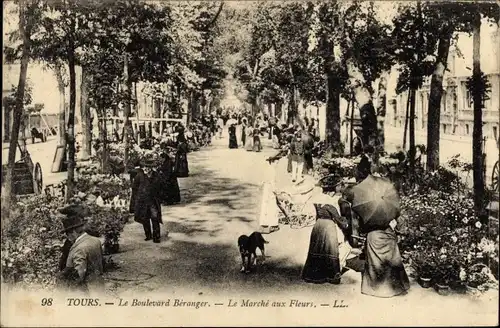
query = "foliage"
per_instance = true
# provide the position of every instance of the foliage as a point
(31, 242)
(9, 101)
(367, 41)
(32, 239)
(479, 84)
(416, 42)
(396, 167)
(445, 239)
(90, 182)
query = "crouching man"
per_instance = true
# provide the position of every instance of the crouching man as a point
(84, 265)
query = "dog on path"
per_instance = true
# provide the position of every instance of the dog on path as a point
(248, 246)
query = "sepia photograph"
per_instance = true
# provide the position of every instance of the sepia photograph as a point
(250, 163)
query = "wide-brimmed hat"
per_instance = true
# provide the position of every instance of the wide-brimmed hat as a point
(75, 214)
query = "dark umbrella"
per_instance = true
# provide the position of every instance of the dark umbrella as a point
(376, 201)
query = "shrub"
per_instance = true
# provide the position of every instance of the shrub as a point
(32, 238)
(31, 242)
(445, 240)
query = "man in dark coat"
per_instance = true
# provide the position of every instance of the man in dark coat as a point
(145, 205)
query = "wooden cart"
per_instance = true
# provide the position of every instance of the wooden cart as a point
(27, 178)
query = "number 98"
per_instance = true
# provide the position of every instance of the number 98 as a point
(46, 301)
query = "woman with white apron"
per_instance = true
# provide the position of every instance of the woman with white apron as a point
(268, 216)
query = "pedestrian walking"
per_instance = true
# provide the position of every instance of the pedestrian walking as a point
(145, 205)
(233, 142)
(257, 146)
(83, 271)
(220, 126)
(249, 138)
(244, 124)
(308, 141)
(181, 162)
(297, 157)
(165, 184)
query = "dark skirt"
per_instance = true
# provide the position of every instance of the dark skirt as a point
(308, 165)
(256, 143)
(289, 165)
(233, 143)
(181, 163)
(243, 137)
(323, 264)
(169, 192)
(384, 274)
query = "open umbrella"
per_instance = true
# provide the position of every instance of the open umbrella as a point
(376, 201)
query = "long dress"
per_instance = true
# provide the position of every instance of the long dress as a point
(181, 162)
(243, 135)
(308, 141)
(384, 274)
(249, 141)
(323, 262)
(233, 142)
(257, 147)
(268, 208)
(167, 186)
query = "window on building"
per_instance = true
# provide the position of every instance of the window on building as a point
(495, 132)
(444, 128)
(467, 129)
(468, 99)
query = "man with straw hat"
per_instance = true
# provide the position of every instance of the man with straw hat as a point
(84, 265)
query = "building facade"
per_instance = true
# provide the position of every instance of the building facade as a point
(456, 102)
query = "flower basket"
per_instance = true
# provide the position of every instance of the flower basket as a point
(111, 247)
(425, 282)
(442, 289)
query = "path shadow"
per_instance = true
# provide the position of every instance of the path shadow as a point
(189, 258)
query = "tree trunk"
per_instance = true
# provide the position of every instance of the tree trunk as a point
(477, 133)
(195, 110)
(381, 111)
(71, 114)
(61, 86)
(278, 107)
(6, 126)
(366, 109)
(126, 109)
(436, 91)
(412, 150)
(407, 117)
(85, 113)
(189, 107)
(332, 111)
(17, 115)
(103, 136)
(136, 109)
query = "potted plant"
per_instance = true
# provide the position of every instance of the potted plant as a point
(446, 274)
(425, 269)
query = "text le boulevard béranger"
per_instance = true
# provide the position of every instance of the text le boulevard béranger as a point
(135, 302)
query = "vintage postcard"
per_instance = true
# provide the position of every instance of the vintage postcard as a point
(250, 163)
